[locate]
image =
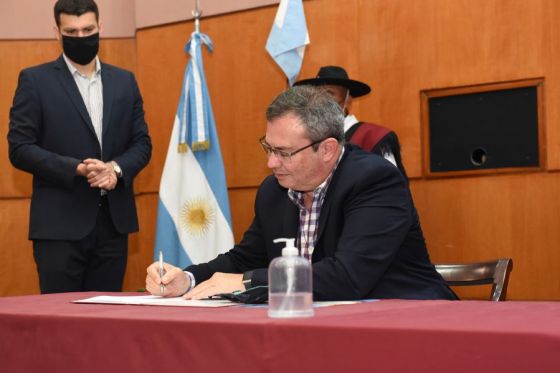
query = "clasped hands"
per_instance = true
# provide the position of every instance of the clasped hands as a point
(176, 283)
(98, 173)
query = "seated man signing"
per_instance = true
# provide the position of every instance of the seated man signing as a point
(350, 212)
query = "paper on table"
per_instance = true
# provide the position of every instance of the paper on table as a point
(152, 300)
(319, 304)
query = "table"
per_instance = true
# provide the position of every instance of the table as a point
(48, 333)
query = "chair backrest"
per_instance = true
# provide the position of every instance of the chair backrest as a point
(494, 272)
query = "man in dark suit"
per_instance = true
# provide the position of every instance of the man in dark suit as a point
(349, 210)
(77, 125)
(371, 137)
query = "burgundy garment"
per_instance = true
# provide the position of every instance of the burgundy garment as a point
(368, 135)
(376, 139)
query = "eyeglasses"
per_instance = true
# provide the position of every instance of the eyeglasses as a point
(282, 154)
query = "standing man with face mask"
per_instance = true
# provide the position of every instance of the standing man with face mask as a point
(77, 125)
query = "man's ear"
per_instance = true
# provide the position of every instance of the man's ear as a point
(100, 27)
(330, 147)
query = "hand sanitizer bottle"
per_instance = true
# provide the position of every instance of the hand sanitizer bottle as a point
(290, 288)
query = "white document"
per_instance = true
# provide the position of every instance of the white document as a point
(152, 300)
(320, 304)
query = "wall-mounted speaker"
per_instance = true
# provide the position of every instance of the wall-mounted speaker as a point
(483, 129)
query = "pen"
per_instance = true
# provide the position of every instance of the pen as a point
(161, 273)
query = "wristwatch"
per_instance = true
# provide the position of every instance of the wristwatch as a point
(117, 169)
(247, 279)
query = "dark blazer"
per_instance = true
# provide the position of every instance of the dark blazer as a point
(51, 133)
(369, 243)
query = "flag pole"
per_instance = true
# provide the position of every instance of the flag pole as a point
(196, 14)
(193, 218)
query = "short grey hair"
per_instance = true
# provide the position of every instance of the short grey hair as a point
(319, 113)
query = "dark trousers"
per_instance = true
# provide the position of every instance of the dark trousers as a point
(94, 263)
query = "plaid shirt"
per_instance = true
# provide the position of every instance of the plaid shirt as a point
(309, 219)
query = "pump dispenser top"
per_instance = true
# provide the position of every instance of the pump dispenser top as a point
(290, 249)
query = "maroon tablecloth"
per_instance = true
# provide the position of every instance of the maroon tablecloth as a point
(48, 333)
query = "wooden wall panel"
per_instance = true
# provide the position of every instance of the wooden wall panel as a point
(470, 219)
(430, 44)
(14, 56)
(18, 274)
(332, 41)
(550, 44)
(400, 48)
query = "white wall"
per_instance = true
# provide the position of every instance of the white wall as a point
(34, 19)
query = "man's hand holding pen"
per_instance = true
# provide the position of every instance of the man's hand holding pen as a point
(175, 282)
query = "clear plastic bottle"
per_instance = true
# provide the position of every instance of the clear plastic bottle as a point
(290, 288)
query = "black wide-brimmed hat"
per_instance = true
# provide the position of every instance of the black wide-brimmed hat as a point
(335, 75)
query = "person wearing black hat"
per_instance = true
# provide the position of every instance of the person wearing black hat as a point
(369, 136)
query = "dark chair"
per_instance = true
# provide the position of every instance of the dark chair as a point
(494, 272)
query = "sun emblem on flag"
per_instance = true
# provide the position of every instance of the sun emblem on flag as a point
(197, 215)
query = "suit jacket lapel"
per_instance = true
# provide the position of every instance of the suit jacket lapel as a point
(69, 85)
(290, 225)
(290, 217)
(325, 208)
(108, 95)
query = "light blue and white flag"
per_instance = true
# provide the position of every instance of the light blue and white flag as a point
(193, 222)
(288, 38)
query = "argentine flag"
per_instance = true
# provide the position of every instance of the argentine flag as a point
(288, 38)
(193, 221)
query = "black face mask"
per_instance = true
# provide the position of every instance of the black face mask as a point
(81, 50)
